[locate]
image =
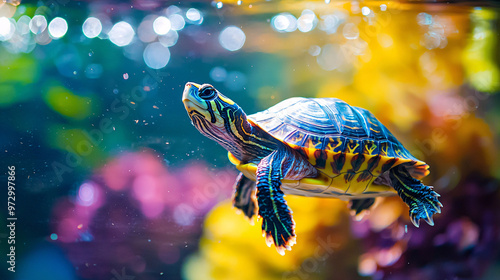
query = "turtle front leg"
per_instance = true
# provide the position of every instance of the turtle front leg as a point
(277, 223)
(243, 198)
(421, 199)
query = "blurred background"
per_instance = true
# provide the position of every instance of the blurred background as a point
(113, 182)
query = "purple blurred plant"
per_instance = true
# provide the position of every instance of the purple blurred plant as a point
(134, 212)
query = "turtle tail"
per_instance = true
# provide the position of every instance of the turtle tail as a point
(421, 199)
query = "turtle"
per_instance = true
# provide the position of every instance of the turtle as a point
(319, 147)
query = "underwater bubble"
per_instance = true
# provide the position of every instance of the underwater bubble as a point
(92, 27)
(218, 74)
(280, 22)
(121, 34)
(38, 24)
(383, 7)
(156, 55)
(219, 5)
(7, 28)
(232, 38)
(307, 21)
(93, 71)
(194, 16)
(314, 50)
(350, 31)
(53, 236)
(58, 27)
(424, 19)
(177, 22)
(169, 39)
(162, 25)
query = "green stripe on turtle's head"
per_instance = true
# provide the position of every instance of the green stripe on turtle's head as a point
(211, 113)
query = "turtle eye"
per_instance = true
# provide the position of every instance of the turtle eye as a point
(207, 93)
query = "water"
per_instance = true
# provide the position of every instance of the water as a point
(113, 181)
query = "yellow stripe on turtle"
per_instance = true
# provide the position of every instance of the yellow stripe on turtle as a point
(333, 185)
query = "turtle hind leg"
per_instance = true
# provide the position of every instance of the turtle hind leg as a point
(421, 199)
(243, 198)
(359, 205)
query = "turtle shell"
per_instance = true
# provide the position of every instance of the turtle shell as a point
(347, 144)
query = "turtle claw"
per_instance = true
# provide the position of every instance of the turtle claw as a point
(414, 220)
(283, 243)
(269, 239)
(430, 221)
(421, 199)
(280, 250)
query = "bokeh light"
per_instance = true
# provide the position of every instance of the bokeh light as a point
(284, 22)
(232, 38)
(58, 27)
(307, 21)
(156, 55)
(38, 24)
(314, 50)
(145, 31)
(161, 25)
(23, 25)
(169, 39)
(121, 34)
(92, 27)
(218, 74)
(87, 194)
(365, 11)
(280, 22)
(7, 29)
(350, 31)
(194, 16)
(177, 21)
(93, 71)
(330, 57)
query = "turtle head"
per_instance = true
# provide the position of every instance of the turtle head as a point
(222, 120)
(213, 114)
